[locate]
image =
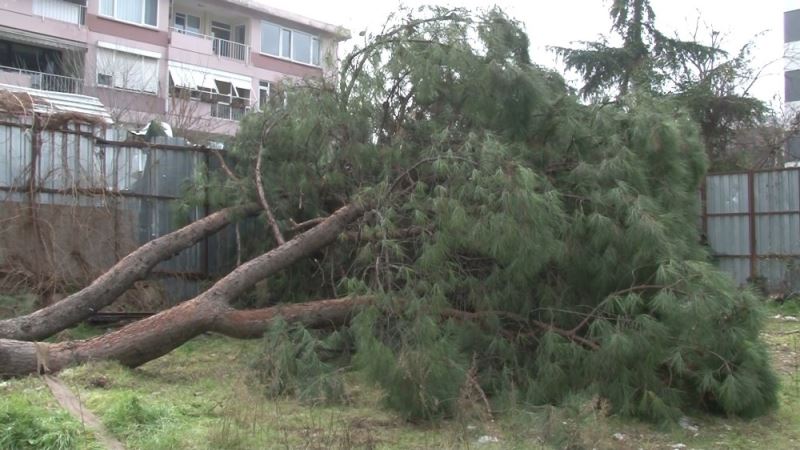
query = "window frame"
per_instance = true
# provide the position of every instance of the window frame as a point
(314, 42)
(185, 27)
(113, 15)
(264, 90)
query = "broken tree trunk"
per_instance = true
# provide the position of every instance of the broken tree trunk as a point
(108, 287)
(157, 335)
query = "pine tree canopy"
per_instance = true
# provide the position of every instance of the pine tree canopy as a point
(514, 238)
(712, 85)
(644, 61)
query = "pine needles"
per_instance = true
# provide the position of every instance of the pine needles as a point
(555, 251)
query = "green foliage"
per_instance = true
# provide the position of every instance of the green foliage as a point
(288, 364)
(25, 426)
(421, 376)
(551, 244)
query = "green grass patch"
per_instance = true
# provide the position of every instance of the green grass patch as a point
(31, 419)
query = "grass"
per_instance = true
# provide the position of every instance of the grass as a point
(201, 396)
(31, 419)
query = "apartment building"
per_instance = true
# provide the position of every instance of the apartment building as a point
(791, 71)
(199, 64)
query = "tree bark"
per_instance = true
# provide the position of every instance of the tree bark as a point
(157, 335)
(108, 287)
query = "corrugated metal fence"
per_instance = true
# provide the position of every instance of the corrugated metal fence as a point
(96, 198)
(752, 223)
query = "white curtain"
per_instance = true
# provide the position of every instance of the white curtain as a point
(107, 7)
(58, 9)
(130, 10)
(149, 71)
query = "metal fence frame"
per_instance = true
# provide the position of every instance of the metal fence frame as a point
(751, 220)
(89, 159)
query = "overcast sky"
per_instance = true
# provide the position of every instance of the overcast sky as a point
(560, 22)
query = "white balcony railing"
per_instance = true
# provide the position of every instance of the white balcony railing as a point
(40, 80)
(221, 47)
(60, 10)
(228, 112)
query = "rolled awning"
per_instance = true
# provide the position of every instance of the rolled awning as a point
(241, 84)
(194, 77)
(191, 79)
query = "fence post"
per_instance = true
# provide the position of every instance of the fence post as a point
(206, 212)
(704, 209)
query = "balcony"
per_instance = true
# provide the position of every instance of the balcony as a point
(40, 80)
(202, 43)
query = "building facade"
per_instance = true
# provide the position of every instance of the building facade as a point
(791, 71)
(198, 64)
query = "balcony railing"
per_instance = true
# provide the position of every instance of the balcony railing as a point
(221, 47)
(228, 112)
(60, 10)
(40, 80)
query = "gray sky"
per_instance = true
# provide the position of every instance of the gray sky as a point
(559, 22)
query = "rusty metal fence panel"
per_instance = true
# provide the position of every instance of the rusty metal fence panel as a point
(752, 223)
(86, 201)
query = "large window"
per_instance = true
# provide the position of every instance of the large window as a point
(129, 71)
(144, 12)
(291, 44)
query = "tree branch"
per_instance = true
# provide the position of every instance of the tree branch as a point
(262, 198)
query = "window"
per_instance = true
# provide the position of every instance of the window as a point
(104, 79)
(315, 51)
(791, 26)
(270, 38)
(187, 23)
(290, 44)
(301, 47)
(793, 148)
(263, 94)
(792, 85)
(143, 12)
(127, 71)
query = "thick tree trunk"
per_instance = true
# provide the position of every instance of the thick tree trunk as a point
(157, 335)
(109, 286)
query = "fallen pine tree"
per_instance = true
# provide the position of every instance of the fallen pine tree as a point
(496, 233)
